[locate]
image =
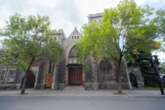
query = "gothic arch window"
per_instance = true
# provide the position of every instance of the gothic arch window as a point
(105, 66)
(72, 56)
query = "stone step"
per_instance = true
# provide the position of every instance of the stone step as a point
(74, 88)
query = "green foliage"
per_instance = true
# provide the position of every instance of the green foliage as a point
(5, 59)
(29, 37)
(53, 50)
(123, 30)
(160, 21)
(89, 44)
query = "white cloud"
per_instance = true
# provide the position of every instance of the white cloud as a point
(63, 13)
(5, 12)
(43, 3)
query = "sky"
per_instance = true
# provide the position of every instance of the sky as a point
(65, 14)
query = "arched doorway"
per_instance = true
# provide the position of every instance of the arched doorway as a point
(75, 73)
(30, 80)
(105, 75)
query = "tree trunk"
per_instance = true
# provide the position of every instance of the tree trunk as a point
(127, 73)
(53, 66)
(119, 75)
(95, 73)
(25, 77)
(55, 77)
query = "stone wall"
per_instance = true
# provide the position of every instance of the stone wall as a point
(107, 76)
(135, 70)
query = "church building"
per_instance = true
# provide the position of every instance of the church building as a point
(71, 73)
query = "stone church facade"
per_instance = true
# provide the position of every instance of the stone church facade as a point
(70, 73)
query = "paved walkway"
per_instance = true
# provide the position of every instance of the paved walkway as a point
(79, 91)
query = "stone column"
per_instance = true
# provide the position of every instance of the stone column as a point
(59, 76)
(54, 84)
(40, 76)
(140, 80)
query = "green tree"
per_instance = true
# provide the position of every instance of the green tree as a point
(30, 38)
(6, 61)
(88, 50)
(53, 51)
(160, 21)
(122, 30)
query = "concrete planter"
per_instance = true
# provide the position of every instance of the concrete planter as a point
(39, 86)
(90, 86)
(59, 86)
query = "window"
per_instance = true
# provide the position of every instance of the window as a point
(75, 37)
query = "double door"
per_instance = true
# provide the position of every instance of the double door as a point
(75, 76)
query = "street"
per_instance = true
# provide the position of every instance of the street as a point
(81, 103)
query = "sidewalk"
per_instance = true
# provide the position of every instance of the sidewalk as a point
(68, 92)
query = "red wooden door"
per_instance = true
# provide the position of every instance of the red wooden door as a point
(75, 76)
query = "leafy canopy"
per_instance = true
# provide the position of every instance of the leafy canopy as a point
(30, 37)
(124, 29)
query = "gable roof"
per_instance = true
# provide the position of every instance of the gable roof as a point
(75, 33)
